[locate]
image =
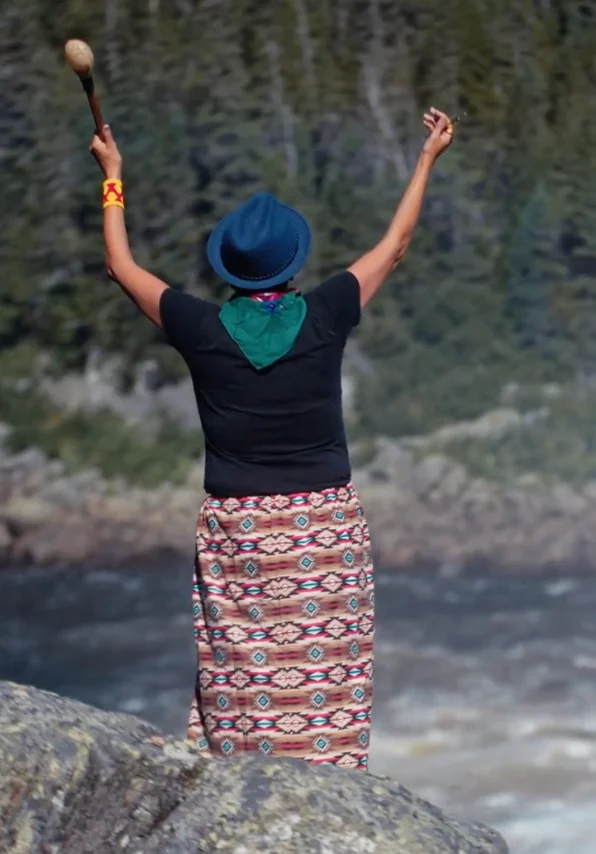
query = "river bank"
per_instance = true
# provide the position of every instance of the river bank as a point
(425, 508)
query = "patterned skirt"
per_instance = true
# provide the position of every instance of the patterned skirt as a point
(283, 617)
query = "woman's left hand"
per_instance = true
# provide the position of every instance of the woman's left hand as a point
(107, 155)
(440, 132)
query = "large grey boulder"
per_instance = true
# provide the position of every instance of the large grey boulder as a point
(75, 780)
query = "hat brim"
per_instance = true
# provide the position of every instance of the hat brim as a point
(214, 254)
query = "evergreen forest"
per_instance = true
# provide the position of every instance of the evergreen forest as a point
(321, 102)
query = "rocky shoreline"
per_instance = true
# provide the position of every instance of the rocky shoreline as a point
(424, 509)
(51, 518)
(432, 513)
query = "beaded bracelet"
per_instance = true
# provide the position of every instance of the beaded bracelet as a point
(113, 193)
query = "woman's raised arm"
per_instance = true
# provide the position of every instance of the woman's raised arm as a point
(143, 288)
(372, 268)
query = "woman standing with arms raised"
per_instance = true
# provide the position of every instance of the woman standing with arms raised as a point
(283, 596)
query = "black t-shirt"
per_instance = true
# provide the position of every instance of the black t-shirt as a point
(279, 429)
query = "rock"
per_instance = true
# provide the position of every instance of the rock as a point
(430, 471)
(73, 540)
(76, 780)
(529, 480)
(125, 506)
(552, 391)
(5, 540)
(55, 468)
(567, 500)
(453, 482)
(22, 474)
(535, 416)
(392, 461)
(27, 460)
(491, 425)
(185, 498)
(479, 493)
(68, 492)
(26, 514)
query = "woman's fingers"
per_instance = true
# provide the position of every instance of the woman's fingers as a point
(438, 114)
(437, 119)
(434, 115)
(105, 144)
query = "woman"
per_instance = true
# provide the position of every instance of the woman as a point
(283, 594)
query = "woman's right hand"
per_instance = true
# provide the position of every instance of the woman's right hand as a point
(107, 155)
(440, 132)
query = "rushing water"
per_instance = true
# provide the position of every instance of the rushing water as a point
(485, 693)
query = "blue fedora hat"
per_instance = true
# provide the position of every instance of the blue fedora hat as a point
(260, 244)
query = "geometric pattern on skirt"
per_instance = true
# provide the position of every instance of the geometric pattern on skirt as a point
(283, 607)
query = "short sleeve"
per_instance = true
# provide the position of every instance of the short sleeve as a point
(181, 316)
(341, 297)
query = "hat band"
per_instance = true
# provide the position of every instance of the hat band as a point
(270, 273)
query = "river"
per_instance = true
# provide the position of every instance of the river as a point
(485, 693)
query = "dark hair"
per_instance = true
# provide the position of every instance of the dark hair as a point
(275, 289)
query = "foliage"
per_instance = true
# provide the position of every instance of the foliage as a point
(99, 440)
(319, 101)
(558, 447)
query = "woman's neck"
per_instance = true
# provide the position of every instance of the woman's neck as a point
(277, 289)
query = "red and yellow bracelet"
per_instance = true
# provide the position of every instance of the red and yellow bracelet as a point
(113, 193)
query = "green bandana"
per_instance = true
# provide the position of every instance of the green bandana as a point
(264, 331)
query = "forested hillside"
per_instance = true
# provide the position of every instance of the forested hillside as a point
(319, 101)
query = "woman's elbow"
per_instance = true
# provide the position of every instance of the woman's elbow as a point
(116, 269)
(395, 247)
(400, 252)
